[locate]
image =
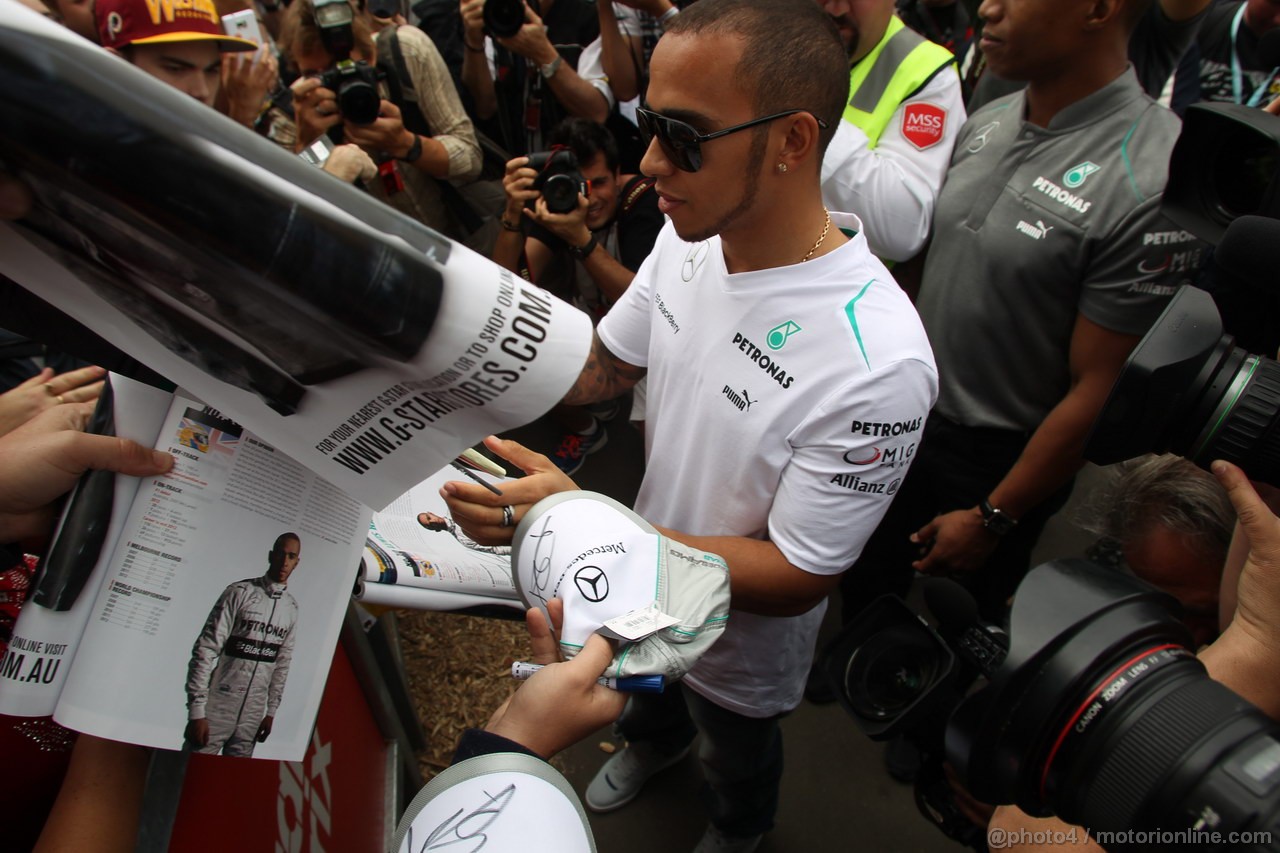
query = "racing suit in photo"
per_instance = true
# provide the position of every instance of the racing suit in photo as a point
(239, 663)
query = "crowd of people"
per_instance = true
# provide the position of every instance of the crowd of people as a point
(864, 273)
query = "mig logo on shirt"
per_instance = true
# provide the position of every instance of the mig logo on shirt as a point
(923, 124)
(1076, 175)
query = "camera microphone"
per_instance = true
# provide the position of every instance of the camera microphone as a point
(980, 645)
(1238, 252)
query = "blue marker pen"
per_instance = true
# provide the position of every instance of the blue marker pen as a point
(520, 670)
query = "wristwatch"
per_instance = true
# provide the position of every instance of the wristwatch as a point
(549, 70)
(997, 521)
(581, 252)
(414, 152)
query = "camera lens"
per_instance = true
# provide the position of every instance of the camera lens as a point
(359, 102)
(1103, 716)
(1188, 389)
(1241, 427)
(888, 673)
(504, 18)
(561, 193)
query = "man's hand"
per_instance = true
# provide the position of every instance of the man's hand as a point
(531, 41)
(349, 163)
(1258, 592)
(246, 83)
(562, 703)
(517, 183)
(264, 728)
(387, 134)
(41, 460)
(472, 12)
(46, 390)
(197, 733)
(570, 227)
(479, 512)
(954, 542)
(315, 109)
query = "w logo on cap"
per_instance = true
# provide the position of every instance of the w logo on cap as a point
(1076, 175)
(170, 9)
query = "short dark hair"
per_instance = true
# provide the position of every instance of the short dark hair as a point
(792, 58)
(586, 139)
(285, 537)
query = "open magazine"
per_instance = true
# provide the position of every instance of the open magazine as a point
(369, 348)
(435, 566)
(186, 604)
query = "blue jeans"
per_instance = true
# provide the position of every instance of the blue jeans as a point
(741, 756)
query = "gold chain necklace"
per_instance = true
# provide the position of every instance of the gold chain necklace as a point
(826, 229)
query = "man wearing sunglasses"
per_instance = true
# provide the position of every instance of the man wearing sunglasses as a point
(894, 140)
(789, 378)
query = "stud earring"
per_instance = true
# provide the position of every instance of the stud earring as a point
(782, 167)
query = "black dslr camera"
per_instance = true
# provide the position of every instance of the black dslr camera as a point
(504, 18)
(559, 179)
(355, 83)
(1093, 707)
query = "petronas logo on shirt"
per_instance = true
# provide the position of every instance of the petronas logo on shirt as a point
(777, 337)
(1076, 175)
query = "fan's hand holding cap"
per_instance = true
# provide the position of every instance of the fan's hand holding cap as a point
(614, 572)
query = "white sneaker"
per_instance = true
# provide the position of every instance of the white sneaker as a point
(715, 841)
(622, 776)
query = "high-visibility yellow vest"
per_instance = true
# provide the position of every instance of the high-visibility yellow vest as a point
(898, 67)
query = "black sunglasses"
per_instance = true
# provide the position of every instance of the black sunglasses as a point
(683, 144)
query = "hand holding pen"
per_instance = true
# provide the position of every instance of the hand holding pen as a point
(563, 702)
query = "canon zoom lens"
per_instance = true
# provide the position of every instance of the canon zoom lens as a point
(1102, 715)
(1187, 389)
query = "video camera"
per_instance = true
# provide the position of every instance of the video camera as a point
(559, 179)
(1187, 388)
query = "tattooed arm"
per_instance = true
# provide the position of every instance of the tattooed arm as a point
(603, 377)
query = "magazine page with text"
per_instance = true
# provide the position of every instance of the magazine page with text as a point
(49, 627)
(215, 625)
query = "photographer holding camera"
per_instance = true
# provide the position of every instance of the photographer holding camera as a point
(353, 87)
(590, 228)
(1245, 657)
(522, 64)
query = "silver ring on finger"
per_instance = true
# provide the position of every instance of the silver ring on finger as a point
(508, 516)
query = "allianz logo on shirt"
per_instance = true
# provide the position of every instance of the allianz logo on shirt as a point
(1036, 232)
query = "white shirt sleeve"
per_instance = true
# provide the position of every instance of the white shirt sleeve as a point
(625, 329)
(591, 69)
(892, 188)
